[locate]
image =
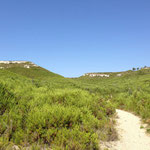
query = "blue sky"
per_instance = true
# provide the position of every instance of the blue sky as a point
(72, 37)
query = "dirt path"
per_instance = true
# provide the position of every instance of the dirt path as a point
(131, 136)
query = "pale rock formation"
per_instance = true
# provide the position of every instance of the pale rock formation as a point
(119, 75)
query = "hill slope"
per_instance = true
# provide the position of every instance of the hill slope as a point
(144, 70)
(28, 69)
(53, 113)
(59, 113)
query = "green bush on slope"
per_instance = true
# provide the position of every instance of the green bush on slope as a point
(68, 118)
(131, 91)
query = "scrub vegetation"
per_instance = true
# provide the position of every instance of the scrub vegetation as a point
(52, 112)
(39, 109)
(130, 92)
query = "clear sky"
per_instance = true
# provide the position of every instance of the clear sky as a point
(72, 37)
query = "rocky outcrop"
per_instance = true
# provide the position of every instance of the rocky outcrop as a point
(97, 75)
(13, 62)
(9, 64)
(119, 75)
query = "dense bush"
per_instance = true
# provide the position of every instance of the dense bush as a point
(69, 114)
(130, 92)
(55, 113)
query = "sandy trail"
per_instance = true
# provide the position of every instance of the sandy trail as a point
(131, 136)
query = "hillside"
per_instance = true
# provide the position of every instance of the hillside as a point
(131, 91)
(144, 70)
(41, 109)
(28, 69)
(54, 113)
